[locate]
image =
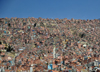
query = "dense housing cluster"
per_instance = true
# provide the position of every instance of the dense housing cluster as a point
(49, 45)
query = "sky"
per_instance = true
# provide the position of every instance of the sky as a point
(77, 9)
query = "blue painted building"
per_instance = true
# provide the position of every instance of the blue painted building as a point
(50, 67)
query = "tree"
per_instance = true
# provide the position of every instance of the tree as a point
(41, 24)
(9, 49)
(35, 25)
(9, 25)
(82, 35)
(0, 51)
(0, 42)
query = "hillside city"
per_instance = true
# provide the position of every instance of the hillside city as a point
(49, 45)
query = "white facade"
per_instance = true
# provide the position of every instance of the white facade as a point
(96, 63)
(31, 69)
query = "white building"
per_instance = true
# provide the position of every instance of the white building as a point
(31, 68)
(96, 63)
